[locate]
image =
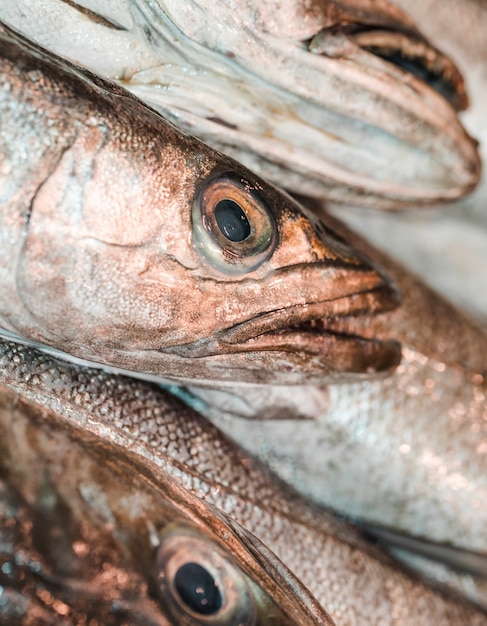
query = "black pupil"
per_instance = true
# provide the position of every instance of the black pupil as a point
(232, 220)
(198, 589)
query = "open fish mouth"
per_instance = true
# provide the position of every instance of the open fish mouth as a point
(386, 32)
(408, 50)
(333, 336)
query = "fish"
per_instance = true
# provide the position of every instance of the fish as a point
(89, 534)
(427, 326)
(125, 441)
(470, 385)
(127, 243)
(344, 100)
(408, 452)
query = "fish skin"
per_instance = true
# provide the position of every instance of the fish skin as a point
(271, 103)
(355, 583)
(87, 529)
(99, 265)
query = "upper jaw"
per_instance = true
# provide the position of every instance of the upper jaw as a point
(324, 335)
(401, 46)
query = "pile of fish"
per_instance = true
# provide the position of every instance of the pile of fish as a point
(188, 269)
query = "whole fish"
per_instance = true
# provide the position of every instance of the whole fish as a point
(128, 446)
(343, 99)
(90, 534)
(125, 242)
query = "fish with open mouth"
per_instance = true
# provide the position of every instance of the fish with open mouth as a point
(127, 243)
(339, 99)
(90, 535)
(127, 457)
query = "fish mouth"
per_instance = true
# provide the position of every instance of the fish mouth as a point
(415, 56)
(407, 50)
(329, 337)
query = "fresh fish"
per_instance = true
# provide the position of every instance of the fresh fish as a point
(90, 534)
(466, 391)
(128, 243)
(410, 451)
(339, 99)
(131, 440)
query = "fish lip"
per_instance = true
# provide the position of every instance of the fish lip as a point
(407, 49)
(362, 304)
(327, 331)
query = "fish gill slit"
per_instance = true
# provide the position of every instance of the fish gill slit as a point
(30, 208)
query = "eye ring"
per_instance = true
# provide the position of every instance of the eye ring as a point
(233, 228)
(199, 583)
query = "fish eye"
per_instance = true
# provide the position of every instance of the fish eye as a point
(234, 230)
(200, 583)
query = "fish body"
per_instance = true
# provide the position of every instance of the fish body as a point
(127, 243)
(123, 424)
(342, 100)
(88, 534)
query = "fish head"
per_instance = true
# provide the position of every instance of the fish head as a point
(195, 270)
(145, 250)
(345, 100)
(87, 529)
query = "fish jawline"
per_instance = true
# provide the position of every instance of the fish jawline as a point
(334, 336)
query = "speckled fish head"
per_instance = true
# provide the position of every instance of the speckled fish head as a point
(141, 248)
(339, 99)
(89, 535)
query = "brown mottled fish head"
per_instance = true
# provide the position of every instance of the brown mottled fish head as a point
(88, 534)
(140, 248)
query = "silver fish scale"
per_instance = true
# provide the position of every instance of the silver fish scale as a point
(355, 583)
(425, 459)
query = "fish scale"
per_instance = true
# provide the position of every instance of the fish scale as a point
(352, 580)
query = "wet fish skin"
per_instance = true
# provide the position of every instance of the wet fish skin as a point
(356, 584)
(90, 534)
(277, 78)
(107, 223)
